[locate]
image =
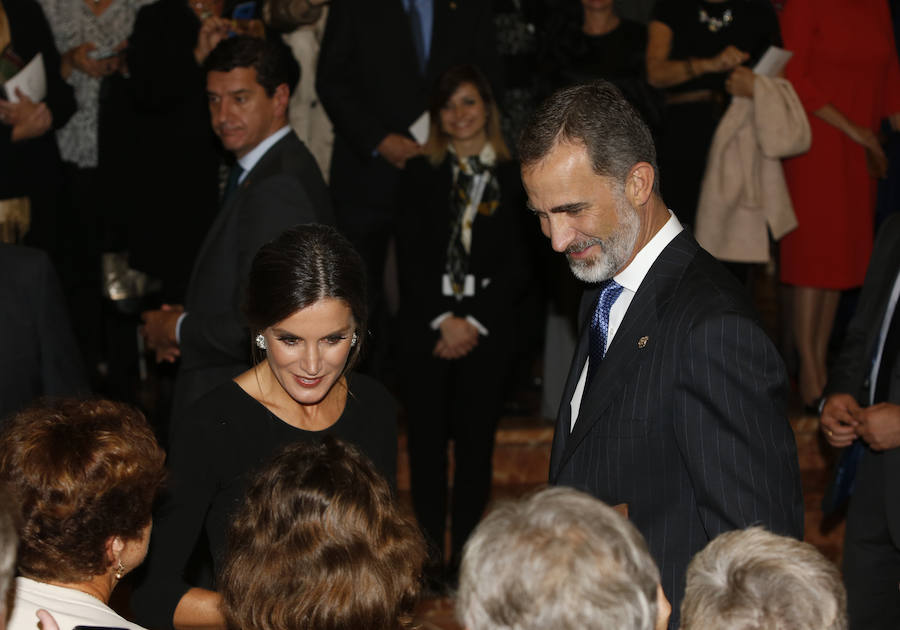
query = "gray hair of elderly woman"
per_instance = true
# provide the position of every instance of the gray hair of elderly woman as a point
(560, 559)
(752, 579)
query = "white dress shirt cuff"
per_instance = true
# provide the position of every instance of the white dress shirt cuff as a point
(437, 321)
(178, 327)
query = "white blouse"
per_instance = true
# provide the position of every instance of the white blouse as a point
(73, 23)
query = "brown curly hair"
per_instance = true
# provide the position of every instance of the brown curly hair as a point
(320, 543)
(83, 471)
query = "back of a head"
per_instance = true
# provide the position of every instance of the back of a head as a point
(755, 580)
(560, 559)
(320, 543)
(82, 471)
(272, 60)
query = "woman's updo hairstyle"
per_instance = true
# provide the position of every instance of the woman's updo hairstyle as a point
(305, 264)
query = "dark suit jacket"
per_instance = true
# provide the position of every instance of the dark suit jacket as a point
(283, 189)
(38, 353)
(850, 373)
(685, 419)
(369, 81)
(497, 253)
(168, 93)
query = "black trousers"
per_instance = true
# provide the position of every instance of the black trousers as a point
(461, 400)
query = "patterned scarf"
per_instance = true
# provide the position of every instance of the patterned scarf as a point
(468, 175)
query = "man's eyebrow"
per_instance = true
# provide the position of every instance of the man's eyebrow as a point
(566, 207)
(569, 207)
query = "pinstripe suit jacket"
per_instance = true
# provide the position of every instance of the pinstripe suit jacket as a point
(685, 419)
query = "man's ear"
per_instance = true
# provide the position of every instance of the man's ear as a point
(281, 97)
(639, 184)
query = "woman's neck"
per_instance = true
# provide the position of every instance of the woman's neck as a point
(600, 21)
(470, 147)
(262, 385)
(99, 587)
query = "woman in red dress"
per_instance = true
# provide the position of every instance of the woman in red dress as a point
(846, 73)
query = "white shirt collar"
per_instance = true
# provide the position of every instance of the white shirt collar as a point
(632, 275)
(255, 154)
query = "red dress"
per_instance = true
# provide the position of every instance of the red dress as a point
(844, 55)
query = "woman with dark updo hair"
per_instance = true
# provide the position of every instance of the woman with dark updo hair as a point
(320, 543)
(306, 309)
(85, 474)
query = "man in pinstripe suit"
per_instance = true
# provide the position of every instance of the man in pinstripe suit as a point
(682, 416)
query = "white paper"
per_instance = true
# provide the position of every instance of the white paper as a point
(30, 79)
(419, 129)
(773, 61)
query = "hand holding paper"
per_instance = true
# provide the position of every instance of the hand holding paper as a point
(396, 149)
(27, 118)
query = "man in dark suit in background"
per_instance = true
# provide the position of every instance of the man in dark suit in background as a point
(862, 412)
(38, 353)
(675, 402)
(377, 64)
(274, 185)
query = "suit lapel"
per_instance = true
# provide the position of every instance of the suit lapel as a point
(440, 24)
(641, 320)
(884, 293)
(564, 415)
(212, 236)
(404, 31)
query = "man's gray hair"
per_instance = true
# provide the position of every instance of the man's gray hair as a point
(597, 116)
(752, 579)
(560, 559)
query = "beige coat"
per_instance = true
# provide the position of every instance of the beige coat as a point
(744, 195)
(306, 114)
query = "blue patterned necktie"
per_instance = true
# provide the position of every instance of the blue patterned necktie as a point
(609, 293)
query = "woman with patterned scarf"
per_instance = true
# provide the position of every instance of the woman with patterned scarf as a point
(462, 269)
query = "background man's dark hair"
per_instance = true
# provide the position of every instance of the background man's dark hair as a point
(597, 116)
(272, 60)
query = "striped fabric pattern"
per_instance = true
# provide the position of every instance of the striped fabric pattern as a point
(685, 420)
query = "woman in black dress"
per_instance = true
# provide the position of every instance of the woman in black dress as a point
(462, 269)
(693, 47)
(30, 166)
(587, 40)
(306, 308)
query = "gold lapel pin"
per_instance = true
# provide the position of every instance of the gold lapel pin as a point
(643, 341)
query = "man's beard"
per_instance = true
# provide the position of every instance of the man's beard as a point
(616, 249)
